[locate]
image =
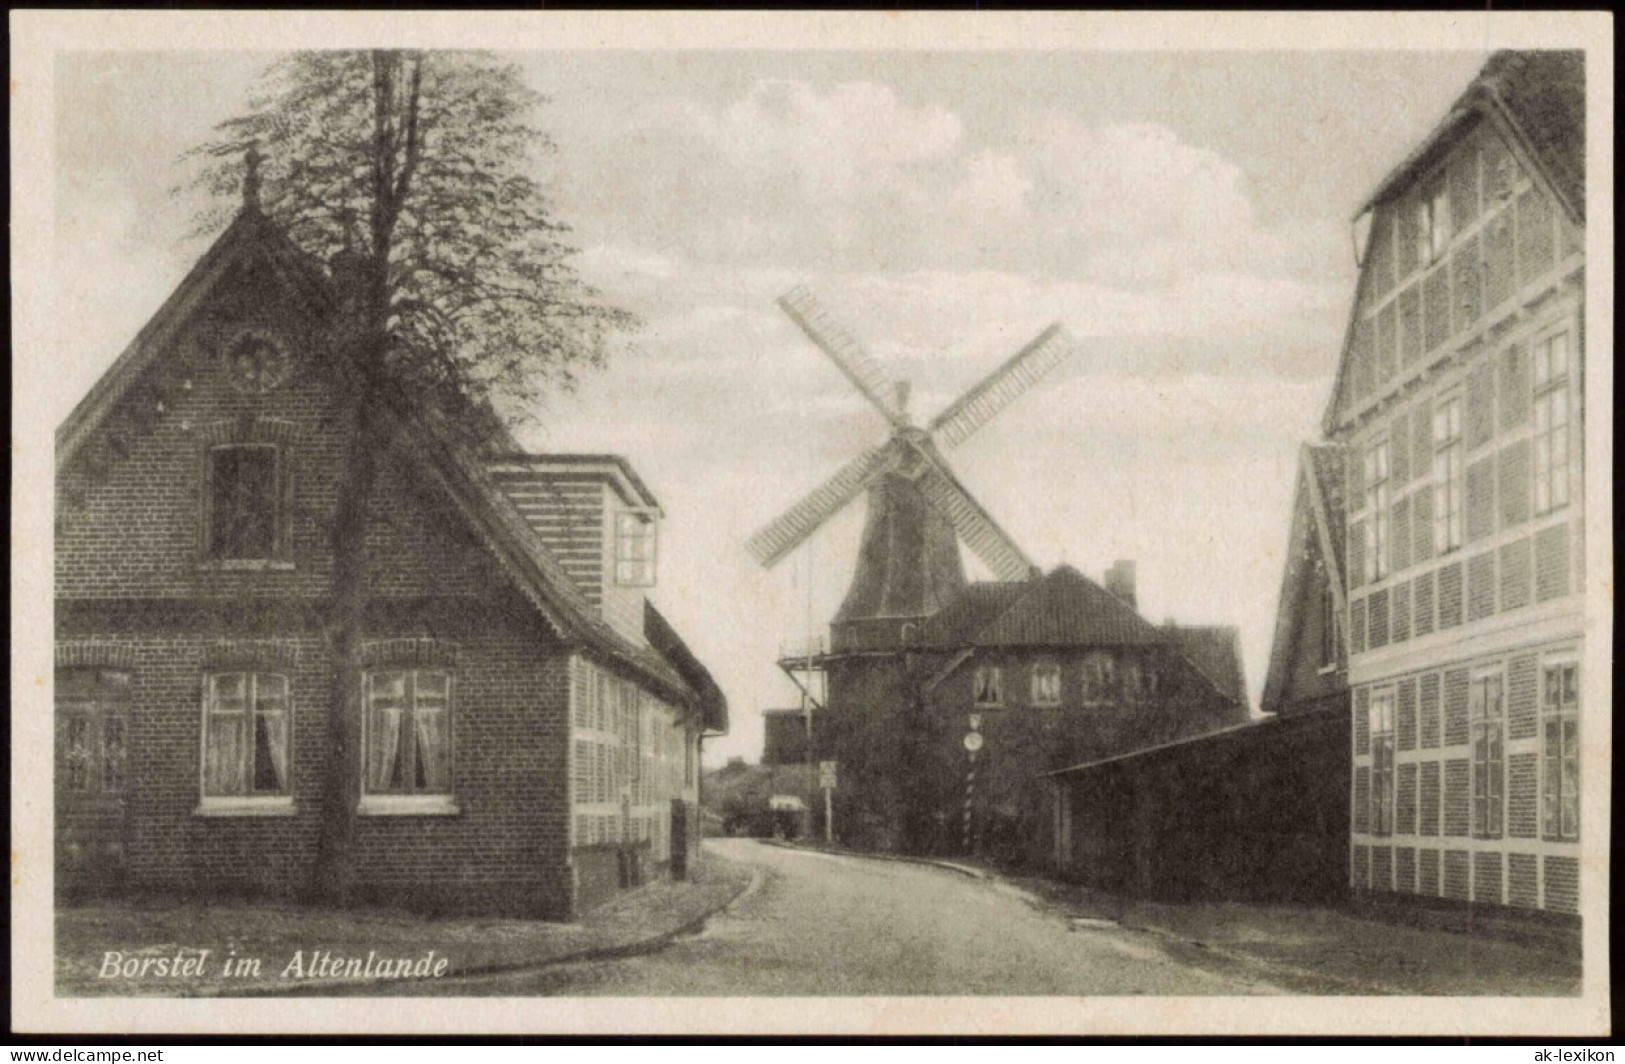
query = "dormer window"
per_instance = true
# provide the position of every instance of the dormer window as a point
(634, 550)
(242, 517)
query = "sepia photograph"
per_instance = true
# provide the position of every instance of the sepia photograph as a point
(1044, 524)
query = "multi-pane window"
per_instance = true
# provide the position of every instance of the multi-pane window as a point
(408, 732)
(77, 752)
(1560, 751)
(1376, 498)
(1099, 677)
(92, 746)
(242, 506)
(1447, 476)
(1046, 684)
(1381, 715)
(634, 550)
(988, 685)
(245, 735)
(1486, 707)
(1551, 423)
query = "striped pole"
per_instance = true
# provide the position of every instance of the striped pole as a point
(970, 793)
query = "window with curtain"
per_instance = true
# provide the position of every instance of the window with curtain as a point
(408, 732)
(989, 685)
(1486, 708)
(1046, 684)
(1551, 423)
(245, 735)
(1560, 752)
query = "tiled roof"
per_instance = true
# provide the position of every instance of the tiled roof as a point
(443, 448)
(1215, 651)
(1544, 92)
(1066, 608)
(1542, 95)
(975, 607)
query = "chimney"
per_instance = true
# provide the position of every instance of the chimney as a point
(1120, 582)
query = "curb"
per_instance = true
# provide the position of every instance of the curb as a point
(652, 944)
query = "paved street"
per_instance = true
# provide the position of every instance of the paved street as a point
(819, 924)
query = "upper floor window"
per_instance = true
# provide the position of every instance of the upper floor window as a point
(407, 737)
(1329, 625)
(634, 550)
(1486, 707)
(245, 735)
(1382, 762)
(1046, 684)
(242, 502)
(1551, 423)
(1376, 497)
(1447, 475)
(1099, 677)
(988, 686)
(1433, 224)
(1560, 751)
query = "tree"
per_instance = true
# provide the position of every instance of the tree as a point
(409, 172)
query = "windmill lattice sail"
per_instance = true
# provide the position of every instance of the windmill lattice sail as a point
(1003, 386)
(802, 520)
(979, 531)
(843, 348)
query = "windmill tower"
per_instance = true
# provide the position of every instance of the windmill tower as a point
(908, 564)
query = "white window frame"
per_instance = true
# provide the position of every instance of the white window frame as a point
(1552, 420)
(1380, 714)
(1098, 684)
(1449, 475)
(994, 674)
(411, 802)
(632, 528)
(1487, 758)
(1552, 792)
(1378, 463)
(249, 803)
(1050, 668)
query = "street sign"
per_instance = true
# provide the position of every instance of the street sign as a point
(973, 741)
(826, 775)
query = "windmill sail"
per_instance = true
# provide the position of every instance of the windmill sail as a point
(843, 349)
(800, 521)
(1003, 386)
(978, 530)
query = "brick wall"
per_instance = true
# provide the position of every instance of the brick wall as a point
(1360, 868)
(1521, 691)
(1428, 803)
(1522, 809)
(1405, 799)
(1382, 868)
(1487, 877)
(1450, 596)
(1522, 886)
(1456, 874)
(1455, 797)
(1551, 563)
(1427, 710)
(1563, 884)
(1427, 873)
(1405, 869)
(1455, 707)
(1481, 586)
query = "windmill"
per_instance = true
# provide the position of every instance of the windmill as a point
(918, 511)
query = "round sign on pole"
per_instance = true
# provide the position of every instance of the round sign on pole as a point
(973, 741)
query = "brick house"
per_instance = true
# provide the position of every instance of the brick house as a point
(1055, 670)
(1458, 402)
(530, 722)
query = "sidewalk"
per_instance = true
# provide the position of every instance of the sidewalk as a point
(277, 935)
(1307, 949)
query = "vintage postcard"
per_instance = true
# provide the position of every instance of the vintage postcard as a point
(583, 523)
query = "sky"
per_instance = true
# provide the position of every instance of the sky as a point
(1188, 217)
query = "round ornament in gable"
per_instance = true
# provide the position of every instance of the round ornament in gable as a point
(257, 359)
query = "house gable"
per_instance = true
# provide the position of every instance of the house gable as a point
(1478, 217)
(1313, 573)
